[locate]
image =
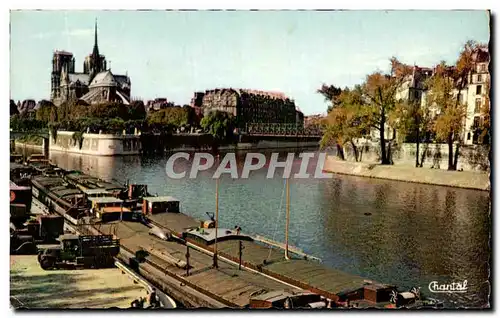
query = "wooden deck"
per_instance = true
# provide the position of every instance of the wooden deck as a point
(306, 274)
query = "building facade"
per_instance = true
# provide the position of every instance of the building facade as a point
(248, 106)
(96, 84)
(473, 95)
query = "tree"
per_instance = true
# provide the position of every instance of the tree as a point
(411, 121)
(13, 108)
(219, 124)
(136, 110)
(346, 122)
(380, 91)
(46, 112)
(451, 111)
(170, 117)
(331, 94)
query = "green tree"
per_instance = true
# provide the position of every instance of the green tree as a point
(136, 110)
(46, 112)
(219, 124)
(170, 117)
(331, 94)
(13, 108)
(413, 120)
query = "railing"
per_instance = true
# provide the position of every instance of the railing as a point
(273, 129)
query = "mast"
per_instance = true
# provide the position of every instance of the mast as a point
(216, 217)
(287, 217)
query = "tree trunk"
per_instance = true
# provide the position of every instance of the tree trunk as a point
(355, 149)
(450, 152)
(457, 152)
(382, 141)
(340, 152)
(418, 144)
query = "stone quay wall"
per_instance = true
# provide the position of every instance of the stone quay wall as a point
(435, 156)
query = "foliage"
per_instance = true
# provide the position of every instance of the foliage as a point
(346, 121)
(18, 123)
(168, 118)
(13, 108)
(331, 94)
(219, 124)
(78, 138)
(136, 110)
(450, 111)
(380, 92)
(31, 139)
(47, 112)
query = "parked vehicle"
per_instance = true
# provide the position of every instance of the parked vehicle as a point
(80, 251)
(45, 229)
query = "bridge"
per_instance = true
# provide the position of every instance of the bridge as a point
(282, 130)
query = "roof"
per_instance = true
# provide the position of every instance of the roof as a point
(106, 200)
(115, 209)
(68, 237)
(105, 78)
(208, 235)
(82, 77)
(14, 186)
(161, 199)
(123, 80)
(96, 191)
(63, 193)
(124, 99)
(275, 295)
(63, 53)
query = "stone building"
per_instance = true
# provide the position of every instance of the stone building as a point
(96, 84)
(248, 106)
(473, 95)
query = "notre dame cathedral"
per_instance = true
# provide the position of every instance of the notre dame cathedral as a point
(95, 85)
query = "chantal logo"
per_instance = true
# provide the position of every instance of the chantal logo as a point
(435, 287)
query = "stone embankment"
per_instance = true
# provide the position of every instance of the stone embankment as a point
(460, 179)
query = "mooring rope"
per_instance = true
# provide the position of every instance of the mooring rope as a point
(277, 223)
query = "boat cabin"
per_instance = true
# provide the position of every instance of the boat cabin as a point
(204, 236)
(98, 203)
(155, 205)
(109, 214)
(97, 193)
(281, 299)
(37, 158)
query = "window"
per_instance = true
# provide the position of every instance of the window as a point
(478, 89)
(468, 136)
(479, 78)
(477, 108)
(482, 68)
(476, 122)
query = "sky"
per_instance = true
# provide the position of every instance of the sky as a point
(172, 54)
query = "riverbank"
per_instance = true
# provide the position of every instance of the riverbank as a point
(33, 287)
(458, 179)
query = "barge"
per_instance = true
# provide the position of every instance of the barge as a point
(336, 288)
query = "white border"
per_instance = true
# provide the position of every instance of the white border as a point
(190, 4)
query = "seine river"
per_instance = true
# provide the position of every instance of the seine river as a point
(392, 232)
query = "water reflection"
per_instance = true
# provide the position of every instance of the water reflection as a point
(414, 234)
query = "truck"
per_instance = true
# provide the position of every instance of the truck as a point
(43, 229)
(88, 251)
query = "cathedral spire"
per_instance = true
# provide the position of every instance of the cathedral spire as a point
(96, 48)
